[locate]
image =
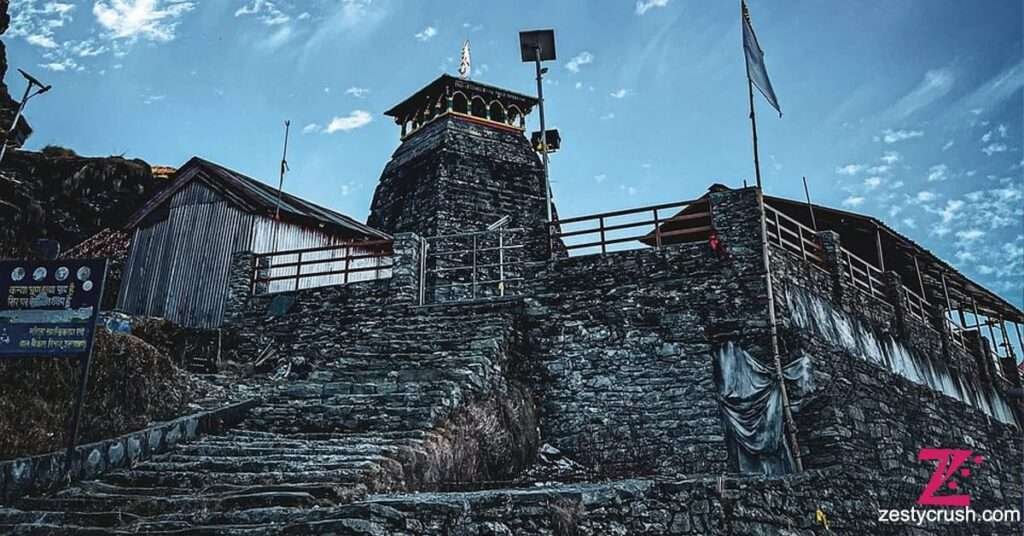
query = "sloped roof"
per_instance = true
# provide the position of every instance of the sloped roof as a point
(960, 287)
(255, 197)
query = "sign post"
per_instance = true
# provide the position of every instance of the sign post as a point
(49, 309)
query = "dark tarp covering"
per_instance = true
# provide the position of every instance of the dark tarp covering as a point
(752, 406)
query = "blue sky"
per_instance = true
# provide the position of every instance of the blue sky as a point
(907, 110)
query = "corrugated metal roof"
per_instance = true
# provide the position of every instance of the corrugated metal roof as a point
(255, 197)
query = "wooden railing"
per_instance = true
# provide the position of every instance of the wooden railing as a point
(618, 230)
(791, 235)
(918, 307)
(322, 266)
(863, 274)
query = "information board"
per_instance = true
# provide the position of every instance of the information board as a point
(49, 308)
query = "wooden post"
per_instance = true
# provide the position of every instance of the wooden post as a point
(949, 307)
(657, 230)
(787, 411)
(920, 280)
(1006, 338)
(810, 207)
(878, 248)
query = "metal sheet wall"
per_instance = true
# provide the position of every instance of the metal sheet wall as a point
(178, 267)
(290, 237)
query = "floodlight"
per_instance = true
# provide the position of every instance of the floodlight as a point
(551, 137)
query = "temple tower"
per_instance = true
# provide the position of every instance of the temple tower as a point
(464, 162)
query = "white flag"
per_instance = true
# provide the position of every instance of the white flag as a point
(756, 71)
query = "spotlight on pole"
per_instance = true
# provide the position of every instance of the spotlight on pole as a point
(538, 46)
(33, 82)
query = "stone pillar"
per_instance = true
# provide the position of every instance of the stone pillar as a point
(405, 269)
(832, 254)
(896, 297)
(239, 285)
(736, 217)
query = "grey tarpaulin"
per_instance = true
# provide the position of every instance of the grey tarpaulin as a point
(752, 405)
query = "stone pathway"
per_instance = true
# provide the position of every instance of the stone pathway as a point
(366, 422)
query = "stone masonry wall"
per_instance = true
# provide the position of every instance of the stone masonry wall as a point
(622, 345)
(864, 415)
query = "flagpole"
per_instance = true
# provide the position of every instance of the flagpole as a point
(753, 127)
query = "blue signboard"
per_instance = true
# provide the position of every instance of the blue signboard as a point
(49, 308)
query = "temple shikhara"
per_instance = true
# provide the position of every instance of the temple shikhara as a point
(733, 363)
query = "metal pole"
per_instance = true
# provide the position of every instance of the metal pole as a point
(810, 207)
(543, 136)
(753, 127)
(83, 378)
(17, 117)
(786, 410)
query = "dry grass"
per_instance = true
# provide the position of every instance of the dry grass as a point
(131, 383)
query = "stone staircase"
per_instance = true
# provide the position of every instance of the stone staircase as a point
(376, 418)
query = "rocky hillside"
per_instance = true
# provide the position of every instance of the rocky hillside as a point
(59, 195)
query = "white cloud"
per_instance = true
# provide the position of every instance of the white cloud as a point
(427, 34)
(37, 21)
(311, 128)
(910, 223)
(643, 6)
(579, 60)
(878, 170)
(578, 85)
(352, 121)
(599, 178)
(937, 173)
(970, 235)
(849, 169)
(358, 92)
(925, 196)
(893, 136)
(607, 116)
(890, 157)
(1002, 130)
(39, 40)
(872, 182)
(853, 201)
(265, 11)
(152, 20)
(947, 145)
(153, 98)
(935, 84)
(619, 93)
(66, 64)
(994, 148)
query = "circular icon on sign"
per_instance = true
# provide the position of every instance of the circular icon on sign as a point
(39, 274)
(18, 274)
(62, 273)
(87, 286)
(84, 273)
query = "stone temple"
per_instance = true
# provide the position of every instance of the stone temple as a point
(730, 364)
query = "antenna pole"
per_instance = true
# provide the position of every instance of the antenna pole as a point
(280, 184)
(284, 168)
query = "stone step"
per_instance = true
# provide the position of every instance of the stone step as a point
(201, 480)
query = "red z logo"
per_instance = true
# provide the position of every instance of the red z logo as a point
(950, 462)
